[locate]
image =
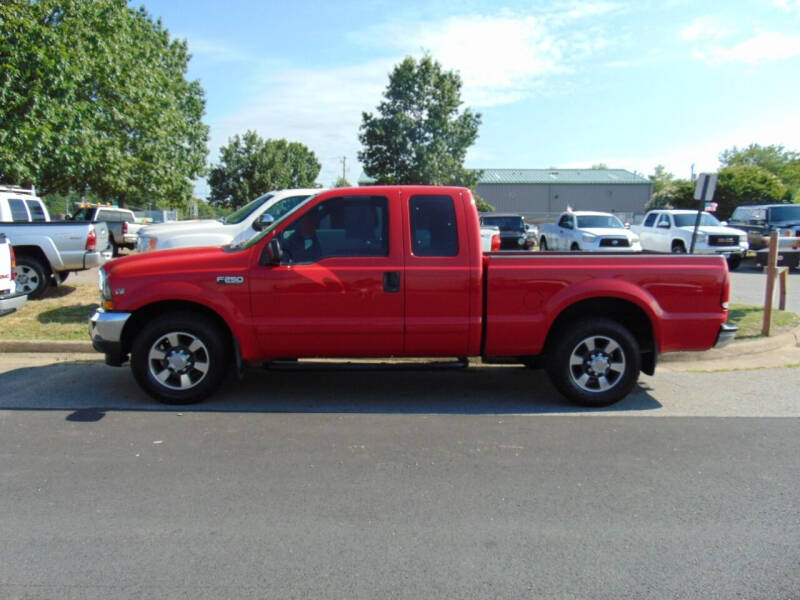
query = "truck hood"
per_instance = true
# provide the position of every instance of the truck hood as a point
(179, 260)
(715, 230)
(182, 226)
(607, 232)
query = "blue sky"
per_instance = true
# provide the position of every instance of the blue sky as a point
(565, 84)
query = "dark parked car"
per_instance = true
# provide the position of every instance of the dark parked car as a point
(761, 220)
(513, 230)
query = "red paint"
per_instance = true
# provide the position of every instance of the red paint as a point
(338, 307)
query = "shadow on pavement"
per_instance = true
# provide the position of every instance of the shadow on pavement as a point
(90, 388)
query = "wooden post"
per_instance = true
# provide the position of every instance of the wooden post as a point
(772, 266)
(783, 272)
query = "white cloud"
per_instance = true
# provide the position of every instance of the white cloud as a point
(502, 58)
(788, 5)
(765, 46)
(704, 153)
(707, 28)
(214, 50)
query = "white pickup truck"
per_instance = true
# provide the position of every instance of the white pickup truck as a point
(671, 231)
(237, 227)
(48, 251)
(10, 299)
(587, 230)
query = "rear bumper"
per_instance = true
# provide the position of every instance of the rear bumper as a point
(12, 302)
(97, 259)
(726, 334)
(105, 331)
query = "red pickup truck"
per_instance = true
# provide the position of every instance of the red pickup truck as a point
(398, 271)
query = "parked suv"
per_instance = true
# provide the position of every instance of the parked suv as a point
(761, 220)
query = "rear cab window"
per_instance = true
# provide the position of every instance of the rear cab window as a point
(36, 210)
(433, 226)
(19, 214)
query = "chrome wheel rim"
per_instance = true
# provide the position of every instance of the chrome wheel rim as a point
(178, 360)
(27, 279)
(596, 364)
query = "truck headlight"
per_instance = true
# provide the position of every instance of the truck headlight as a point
(151, 244)
(589, 237)
(702, 238)
(105, 290)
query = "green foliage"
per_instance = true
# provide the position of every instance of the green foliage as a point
(481, 204)
(772, 158)
(93, 97)
(600, 166)
(250, 166)
(207, 211)
(678, 193)
(661, 179)
(341, 182)
(747, 184)
(418, 135)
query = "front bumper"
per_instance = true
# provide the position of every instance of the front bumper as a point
(726, 334)
(12, 302)
(105, 331)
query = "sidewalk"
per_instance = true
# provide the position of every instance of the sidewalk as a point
(763, 353)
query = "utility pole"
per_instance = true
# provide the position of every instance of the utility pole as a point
(344, 161)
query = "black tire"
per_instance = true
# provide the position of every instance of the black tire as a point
(580, 382)
(114, 249)
(183, 329)
(575, 247)
(678, 248)
(543, 245)
(734, 260)
(33, 277)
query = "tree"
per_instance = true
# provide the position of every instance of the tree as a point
(93, 98)
(772, 158)
(678, 193)
(250, 166)
(418, 135)
(661, 179)
(600, 166)
(747, 184)
(341, 182)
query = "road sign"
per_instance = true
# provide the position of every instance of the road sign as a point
(706, 184)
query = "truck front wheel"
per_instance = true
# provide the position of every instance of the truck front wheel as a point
(594, 362)
(178, 359)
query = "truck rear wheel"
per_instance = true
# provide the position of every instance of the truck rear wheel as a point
(33, 277)
(594, 362)
(178, 359)
(543, 244)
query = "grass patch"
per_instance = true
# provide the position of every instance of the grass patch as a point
(749, 319)
(62, 315)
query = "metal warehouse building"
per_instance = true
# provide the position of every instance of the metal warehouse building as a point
(541, 194)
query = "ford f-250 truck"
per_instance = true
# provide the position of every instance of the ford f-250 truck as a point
(399, 271)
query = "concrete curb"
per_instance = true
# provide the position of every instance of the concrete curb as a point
(49, 346)
(736, 349)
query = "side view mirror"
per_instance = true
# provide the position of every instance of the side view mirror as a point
(627, 225)
(724, 223)
(663, 225)
(272, 256)
(263, 222)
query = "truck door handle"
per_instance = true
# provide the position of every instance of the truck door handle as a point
(391, 282)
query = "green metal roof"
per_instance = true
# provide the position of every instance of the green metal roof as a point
(550, 176)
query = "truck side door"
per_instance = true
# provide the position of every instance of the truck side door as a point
(338, 291)
(566, 232)
(439, 275)
(662, 235)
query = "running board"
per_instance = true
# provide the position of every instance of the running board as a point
(365, 365)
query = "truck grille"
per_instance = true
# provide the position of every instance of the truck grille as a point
(723, 240)
(614, 243)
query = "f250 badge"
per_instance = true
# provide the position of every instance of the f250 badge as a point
(229, 280)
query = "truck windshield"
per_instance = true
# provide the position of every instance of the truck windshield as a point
(601, 221)
(687, 220)
(784, 213)
(83, 214)
(244, 212)
(261, 234)
(504, 223)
